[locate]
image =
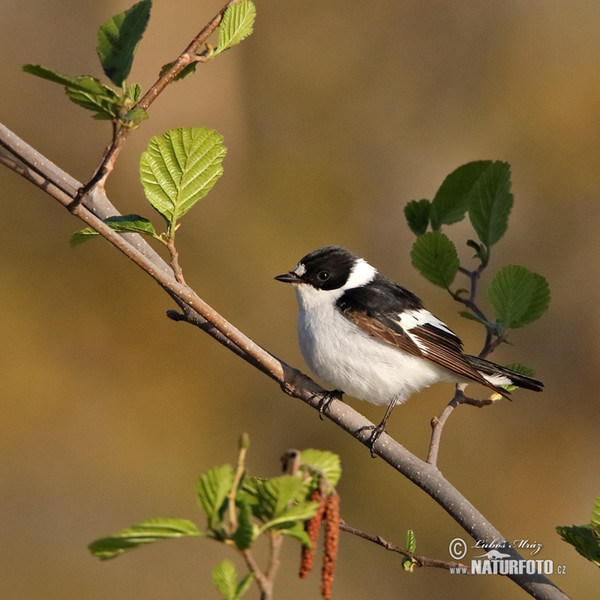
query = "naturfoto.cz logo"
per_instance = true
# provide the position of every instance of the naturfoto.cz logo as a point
(498, 559)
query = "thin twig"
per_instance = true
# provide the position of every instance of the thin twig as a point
(122, 132)
(421, 561)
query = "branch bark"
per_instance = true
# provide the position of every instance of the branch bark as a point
(23, 159)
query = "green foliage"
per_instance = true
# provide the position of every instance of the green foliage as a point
(585, 538)
(83, 90)
(490, 202)
(434, 255)
(239, 509)
(408, 564)
(179, 168)
(237, 24)
(417, 213)
(322, 464)
(121, 224)
(452, 198)
(518, 296)
(481, 190)
(211, 490)
(145, 532)
(224, 578)
(118, 39)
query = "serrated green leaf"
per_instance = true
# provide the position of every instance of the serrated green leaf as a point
(411, 540)
(490, 202)
(83, 90)
(582, 538)
(118, 39)
(435, 257)
(237, 24)
(145, 532)
(244, 533)
(179, 168)
(224, 578)
(518, 296)
(324, 463)
(417, 215)
(452, 198)
(212, 489)
(121, 224)
(278, 493)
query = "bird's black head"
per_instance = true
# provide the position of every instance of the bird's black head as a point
(327, 268)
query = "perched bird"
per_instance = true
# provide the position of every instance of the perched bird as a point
(372, 339)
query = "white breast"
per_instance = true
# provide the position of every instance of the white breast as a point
(348, 359)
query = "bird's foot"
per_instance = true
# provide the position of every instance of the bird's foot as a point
(326, 399)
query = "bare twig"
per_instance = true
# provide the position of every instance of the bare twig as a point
(421, 561)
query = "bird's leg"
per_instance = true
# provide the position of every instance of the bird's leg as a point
(379, 429)
(326, 399)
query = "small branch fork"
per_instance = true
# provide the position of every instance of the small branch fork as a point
(89, 203)
(121, 133)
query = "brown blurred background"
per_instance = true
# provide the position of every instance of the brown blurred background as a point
(335, 114)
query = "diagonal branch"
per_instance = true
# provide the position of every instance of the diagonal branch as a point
(24, 160)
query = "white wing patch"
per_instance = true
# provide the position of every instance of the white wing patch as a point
(414, 318)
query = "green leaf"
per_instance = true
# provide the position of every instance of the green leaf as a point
(118, 39)
(435, 257)
(323, 463)
(452, 198)
(417, 215)
(237, 25)
(411, 540)
(276, 494)
(121, 224)
(582, 538)
(145, 532)
(518, 296)
(244, 534)
(179, 168)
(490, 203)
(83, 90)
(212, 489)
(224, 578)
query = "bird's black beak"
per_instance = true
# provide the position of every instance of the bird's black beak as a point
(290, 277)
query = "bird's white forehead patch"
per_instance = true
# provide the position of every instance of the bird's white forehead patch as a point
(415, 318)
(362, 272)
(300, 269)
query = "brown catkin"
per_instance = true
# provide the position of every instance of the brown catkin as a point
(312, 529)
(332, 534)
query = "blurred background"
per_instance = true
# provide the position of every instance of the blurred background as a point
(335, 115)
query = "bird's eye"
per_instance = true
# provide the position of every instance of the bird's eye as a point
(323, 275)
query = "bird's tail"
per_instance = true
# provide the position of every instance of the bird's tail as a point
(500, 376)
